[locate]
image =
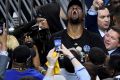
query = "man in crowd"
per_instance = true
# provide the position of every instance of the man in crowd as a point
(75, 34)
(98, 18)
(112, 40)
(3, 53)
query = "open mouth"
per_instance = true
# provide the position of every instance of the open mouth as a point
(74, 12)
(106, 24)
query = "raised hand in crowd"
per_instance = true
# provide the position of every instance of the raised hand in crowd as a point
(97, 4)
(3, 52)
(3, 39)
(52, 59)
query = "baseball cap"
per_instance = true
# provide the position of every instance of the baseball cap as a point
(74, 2)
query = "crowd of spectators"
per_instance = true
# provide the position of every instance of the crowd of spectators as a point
(81, 52)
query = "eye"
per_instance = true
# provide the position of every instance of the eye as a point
(102, 17)
(107, 35)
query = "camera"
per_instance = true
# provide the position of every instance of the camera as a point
(57, 44)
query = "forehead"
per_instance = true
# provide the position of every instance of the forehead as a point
(113, 33)
(103, 11)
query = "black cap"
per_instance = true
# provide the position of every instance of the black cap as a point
(75, 2)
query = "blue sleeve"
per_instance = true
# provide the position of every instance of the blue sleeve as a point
(48, 78)
(82, 73)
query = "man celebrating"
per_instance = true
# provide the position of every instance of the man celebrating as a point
(112, 40)
(75, 34)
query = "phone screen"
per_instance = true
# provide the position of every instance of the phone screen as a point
(57, 43)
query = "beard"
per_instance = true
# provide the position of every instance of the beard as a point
(75, 21)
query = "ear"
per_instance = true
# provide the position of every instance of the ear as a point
(114, 19)
(87, 58)
(119, 44)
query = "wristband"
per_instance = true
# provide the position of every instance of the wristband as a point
(43, 71)
(72, 58)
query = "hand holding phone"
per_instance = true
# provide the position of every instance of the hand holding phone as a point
(57, 44)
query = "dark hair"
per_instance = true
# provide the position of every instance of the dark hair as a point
(114, 62)
(91, 68)
(116, 29)
(102, 8)
(117, 12)
(21, 54)
(68, 64)
(97, 56)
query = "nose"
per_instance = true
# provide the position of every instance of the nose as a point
(107, 38)
(106, 19)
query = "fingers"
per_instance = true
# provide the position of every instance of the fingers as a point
(97, 4)
(65, 51)
(52, 59)
(4, 29)
(100, 3)
(50, 52)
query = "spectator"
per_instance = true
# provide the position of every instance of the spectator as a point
(114, 63)
(97, 57)
(51, 12)
(92, 70)
(36, 61)
(75, 34)
(100, 17)
(3, 53)
(112, 40)
(113, 5)
(112, 8)
(68, 70)
(79, 68)
(116, 16)
(20, 68)
(52, 60)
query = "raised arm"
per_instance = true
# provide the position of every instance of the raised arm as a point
(80, 70)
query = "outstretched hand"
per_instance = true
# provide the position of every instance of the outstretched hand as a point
(3, 39)
(97, 4)
(52, 59)
(66, 51)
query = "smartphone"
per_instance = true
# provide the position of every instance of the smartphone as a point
(57, 44)
(1, 28)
